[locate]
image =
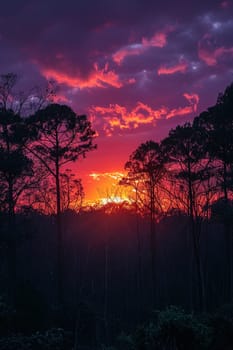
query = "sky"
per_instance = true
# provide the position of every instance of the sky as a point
(137, 68)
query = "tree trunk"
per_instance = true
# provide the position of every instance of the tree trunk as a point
(197, 257)
(196, 246)
(59, 239)
(139, 269)
(228, 238)
(11, 246)
(153, 250)
(139, 272)
(106, 292)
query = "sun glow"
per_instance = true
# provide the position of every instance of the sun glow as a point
(115, 200)
(107, 189)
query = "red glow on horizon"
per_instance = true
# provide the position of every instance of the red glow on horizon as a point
(106, 189)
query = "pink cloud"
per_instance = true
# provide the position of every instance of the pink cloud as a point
(225, 4)
(58, 98)
(159, 39)
(210, 55)
(117, 117)
(193, 100)
(131, 50)
(179, 68)
(98, 78)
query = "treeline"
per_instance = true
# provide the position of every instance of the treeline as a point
(189, 171)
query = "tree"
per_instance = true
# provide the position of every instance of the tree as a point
(189, 169)
(218, 123)
(24, 103)
(43, 197)
(15, 174)
(15, 167)
(72, 191)
(62, 137)
(145, 171)
(7, 85)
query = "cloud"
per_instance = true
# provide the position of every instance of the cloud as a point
(159, 39)
(193, 100)
(130, 50)
(60, 98)
(179, 68)
(100, 78)
(209, 54)
(225, 4)
(118, 117)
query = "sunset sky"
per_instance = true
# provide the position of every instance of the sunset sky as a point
(136, 68)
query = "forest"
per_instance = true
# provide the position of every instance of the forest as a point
(154, 272)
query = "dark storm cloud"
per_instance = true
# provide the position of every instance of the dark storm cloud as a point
(82, 29)
(124, 52)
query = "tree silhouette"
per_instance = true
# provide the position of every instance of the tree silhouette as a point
(43, 197)
(21, 102)
(15, 172)
(218, 122)
(146, 170)
(7, 84)
(189, 168)
(62, 137)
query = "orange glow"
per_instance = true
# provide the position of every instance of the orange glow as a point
(180, 111)
(98, 78)
(110, 192)
(115, 199)
(179, 68)
(193, 100)
(108, 189)
(115, 175)
(117, 116)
